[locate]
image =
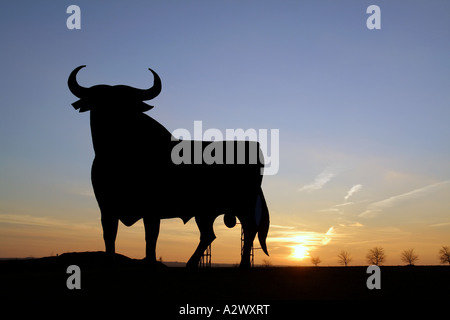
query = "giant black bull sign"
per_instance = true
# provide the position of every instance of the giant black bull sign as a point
(134, 175)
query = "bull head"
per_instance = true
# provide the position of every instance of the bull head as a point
(109, 96)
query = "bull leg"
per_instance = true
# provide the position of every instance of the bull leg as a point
(151, 226)
(249, 228)
(110, 225)
(205, 225)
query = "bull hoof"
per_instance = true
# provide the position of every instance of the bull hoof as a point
(191, 265)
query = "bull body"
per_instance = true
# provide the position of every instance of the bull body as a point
(134, 175)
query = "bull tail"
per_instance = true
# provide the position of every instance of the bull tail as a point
(262, 212)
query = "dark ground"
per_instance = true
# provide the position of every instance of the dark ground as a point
(45, 278)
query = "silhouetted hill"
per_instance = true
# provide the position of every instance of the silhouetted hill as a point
(45, 278)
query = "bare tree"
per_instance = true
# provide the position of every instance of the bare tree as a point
(376, 256)
(409, 256)
(266, 263)
(315, 260)
(344, 258)
(444, 254)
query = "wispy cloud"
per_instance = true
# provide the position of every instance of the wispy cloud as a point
(307, 238)
(344, 204)
(356, 224)
(328, 236)
(281, 227)
(353, 190)
(338, 208)
(322, 179)
(331, 210)
(45, 222)
(376, 207)
(443, 224)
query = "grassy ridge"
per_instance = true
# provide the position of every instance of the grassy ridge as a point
(45, 278)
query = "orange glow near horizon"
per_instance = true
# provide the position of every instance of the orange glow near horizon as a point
(299, 252)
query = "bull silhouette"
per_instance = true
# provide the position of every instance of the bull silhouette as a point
(133, 174)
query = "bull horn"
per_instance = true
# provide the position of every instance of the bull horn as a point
(75, 88)
(154, 91)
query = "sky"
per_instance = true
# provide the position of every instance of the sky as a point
(363, 119)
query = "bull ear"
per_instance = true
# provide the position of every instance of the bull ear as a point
(143, 107)
(81, 105)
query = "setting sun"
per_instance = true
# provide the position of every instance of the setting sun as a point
(300, 252)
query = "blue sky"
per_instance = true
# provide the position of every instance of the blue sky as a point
(353, 107)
